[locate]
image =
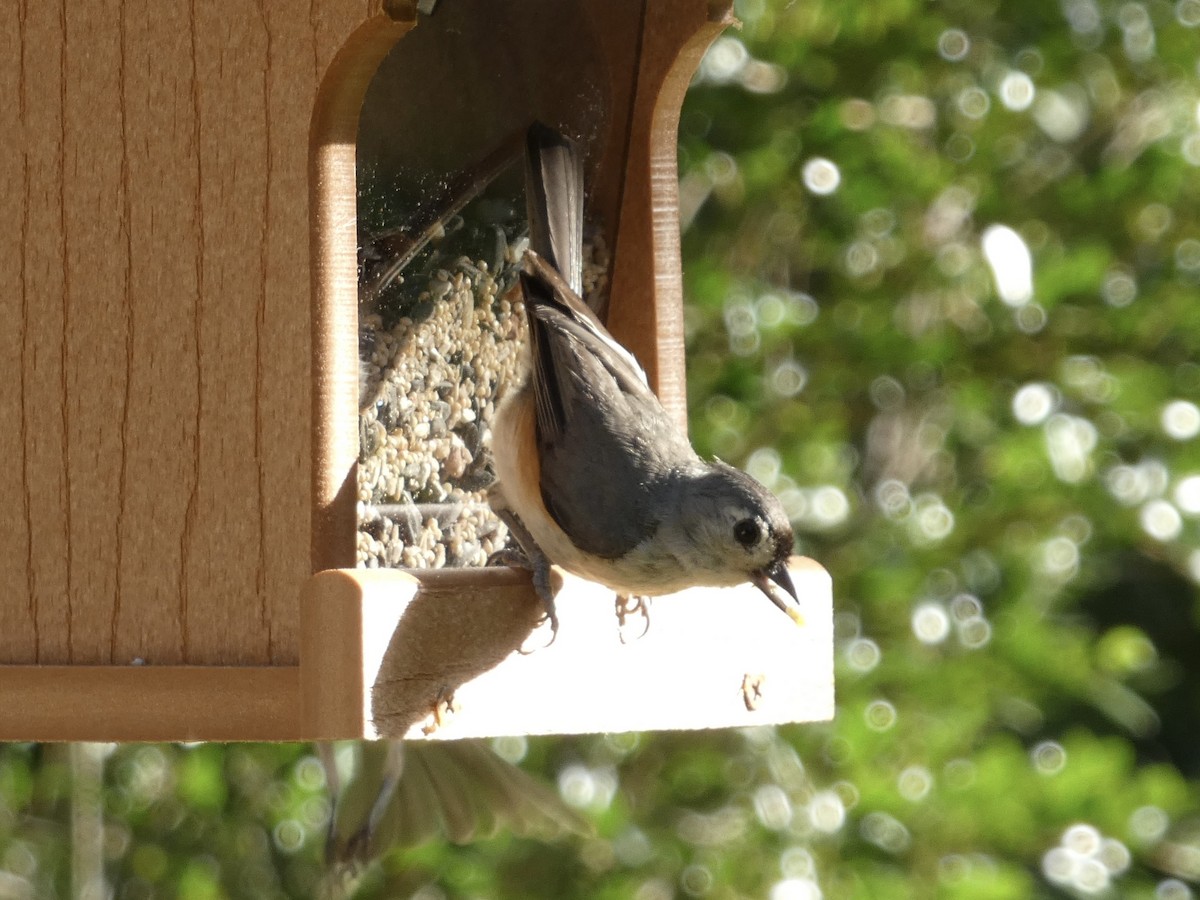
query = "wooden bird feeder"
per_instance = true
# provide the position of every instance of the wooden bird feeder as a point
(181, 466)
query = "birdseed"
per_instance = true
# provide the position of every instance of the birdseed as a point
(438, 352)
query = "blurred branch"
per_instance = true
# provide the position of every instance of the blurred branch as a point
(87, 822)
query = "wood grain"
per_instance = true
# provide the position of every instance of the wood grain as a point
(154, 298)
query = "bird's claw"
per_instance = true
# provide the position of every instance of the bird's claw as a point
(541, 583)
(444, 706)
(513, 557)
(526, 554)
(632, 605)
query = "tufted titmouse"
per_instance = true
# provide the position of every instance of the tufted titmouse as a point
(592, 473)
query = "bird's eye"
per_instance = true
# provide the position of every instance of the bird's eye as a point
(746, 532)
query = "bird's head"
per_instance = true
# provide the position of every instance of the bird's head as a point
(741, 533)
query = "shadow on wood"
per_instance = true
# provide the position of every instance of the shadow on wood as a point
(450, 632)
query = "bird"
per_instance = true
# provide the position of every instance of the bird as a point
(387, 794)
(592, 473)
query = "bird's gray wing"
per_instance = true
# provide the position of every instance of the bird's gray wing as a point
(562, 331)
(604, 441)
(554, 197)
(606, 445)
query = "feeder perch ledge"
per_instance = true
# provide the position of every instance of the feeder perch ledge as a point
(444, 654)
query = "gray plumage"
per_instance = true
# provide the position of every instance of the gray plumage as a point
(620, 495)
(595, 411)
(608, 449)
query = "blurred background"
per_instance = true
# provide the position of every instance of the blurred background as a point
(942, 262)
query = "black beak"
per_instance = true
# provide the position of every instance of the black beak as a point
(769, 581)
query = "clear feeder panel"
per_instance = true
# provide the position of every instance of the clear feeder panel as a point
(442, 333)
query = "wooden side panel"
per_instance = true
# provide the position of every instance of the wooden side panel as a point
(161, 245)
(224, 551)
(33, 484)
(381, 649)
(646, 261)
(283, 416)
(97, 318)
(333, 186)
(154, 326)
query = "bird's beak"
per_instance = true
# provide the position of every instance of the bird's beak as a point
(770, 580)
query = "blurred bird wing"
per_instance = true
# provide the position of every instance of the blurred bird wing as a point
(517, 800)
(413, 814)
(459, 790)
(374, 775)
(355, 772)
(461, 816)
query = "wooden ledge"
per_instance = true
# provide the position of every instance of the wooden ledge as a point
(149, 703)
(381, 649)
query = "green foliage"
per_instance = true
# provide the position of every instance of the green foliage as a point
(991, 482)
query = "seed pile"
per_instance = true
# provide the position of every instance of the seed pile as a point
(430, 383)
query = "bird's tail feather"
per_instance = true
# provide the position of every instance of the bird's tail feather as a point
(554, 201)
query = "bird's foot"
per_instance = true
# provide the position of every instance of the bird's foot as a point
(513, 557)
(526, 554)
(628, 605)
(545, 592)
(444, 706)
